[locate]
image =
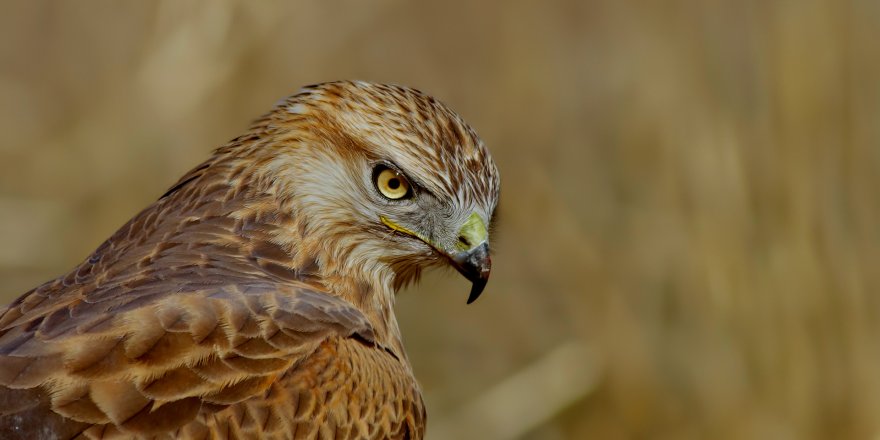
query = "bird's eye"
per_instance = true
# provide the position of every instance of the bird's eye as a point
(391, 183)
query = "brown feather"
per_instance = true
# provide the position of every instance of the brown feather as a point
(254, 299)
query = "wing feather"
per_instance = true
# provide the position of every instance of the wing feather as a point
(150, 368)
(192, 322)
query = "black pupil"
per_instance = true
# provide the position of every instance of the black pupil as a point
(394, 183)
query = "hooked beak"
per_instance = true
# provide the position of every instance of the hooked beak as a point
(470, 256)
(475, 264)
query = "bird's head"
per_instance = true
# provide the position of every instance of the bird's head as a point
(388, 180)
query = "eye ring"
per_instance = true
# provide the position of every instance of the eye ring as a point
(392, 184)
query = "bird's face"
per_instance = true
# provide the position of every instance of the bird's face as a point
(426, 226)
(404, 177)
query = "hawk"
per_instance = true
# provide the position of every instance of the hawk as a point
(255, 298)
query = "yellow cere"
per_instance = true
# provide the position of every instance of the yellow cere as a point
(391, 184)
(473, 231)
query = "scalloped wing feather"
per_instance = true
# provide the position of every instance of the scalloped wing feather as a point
(166, 365)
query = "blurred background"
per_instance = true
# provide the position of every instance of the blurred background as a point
(690, 189)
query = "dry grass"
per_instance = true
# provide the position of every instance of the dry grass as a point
(690, 188)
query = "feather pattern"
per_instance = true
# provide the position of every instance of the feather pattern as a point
(254, 299)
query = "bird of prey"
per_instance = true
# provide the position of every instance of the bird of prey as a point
(255, 298)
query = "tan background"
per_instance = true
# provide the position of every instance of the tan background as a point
(689, 239)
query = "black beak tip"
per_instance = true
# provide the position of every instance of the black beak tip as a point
(475, 265)
(476, 289)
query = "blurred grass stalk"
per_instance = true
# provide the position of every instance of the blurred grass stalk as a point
(526, 399)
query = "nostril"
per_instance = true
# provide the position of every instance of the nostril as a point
(463, 240)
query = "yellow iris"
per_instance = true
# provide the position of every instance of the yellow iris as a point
(392, 184)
